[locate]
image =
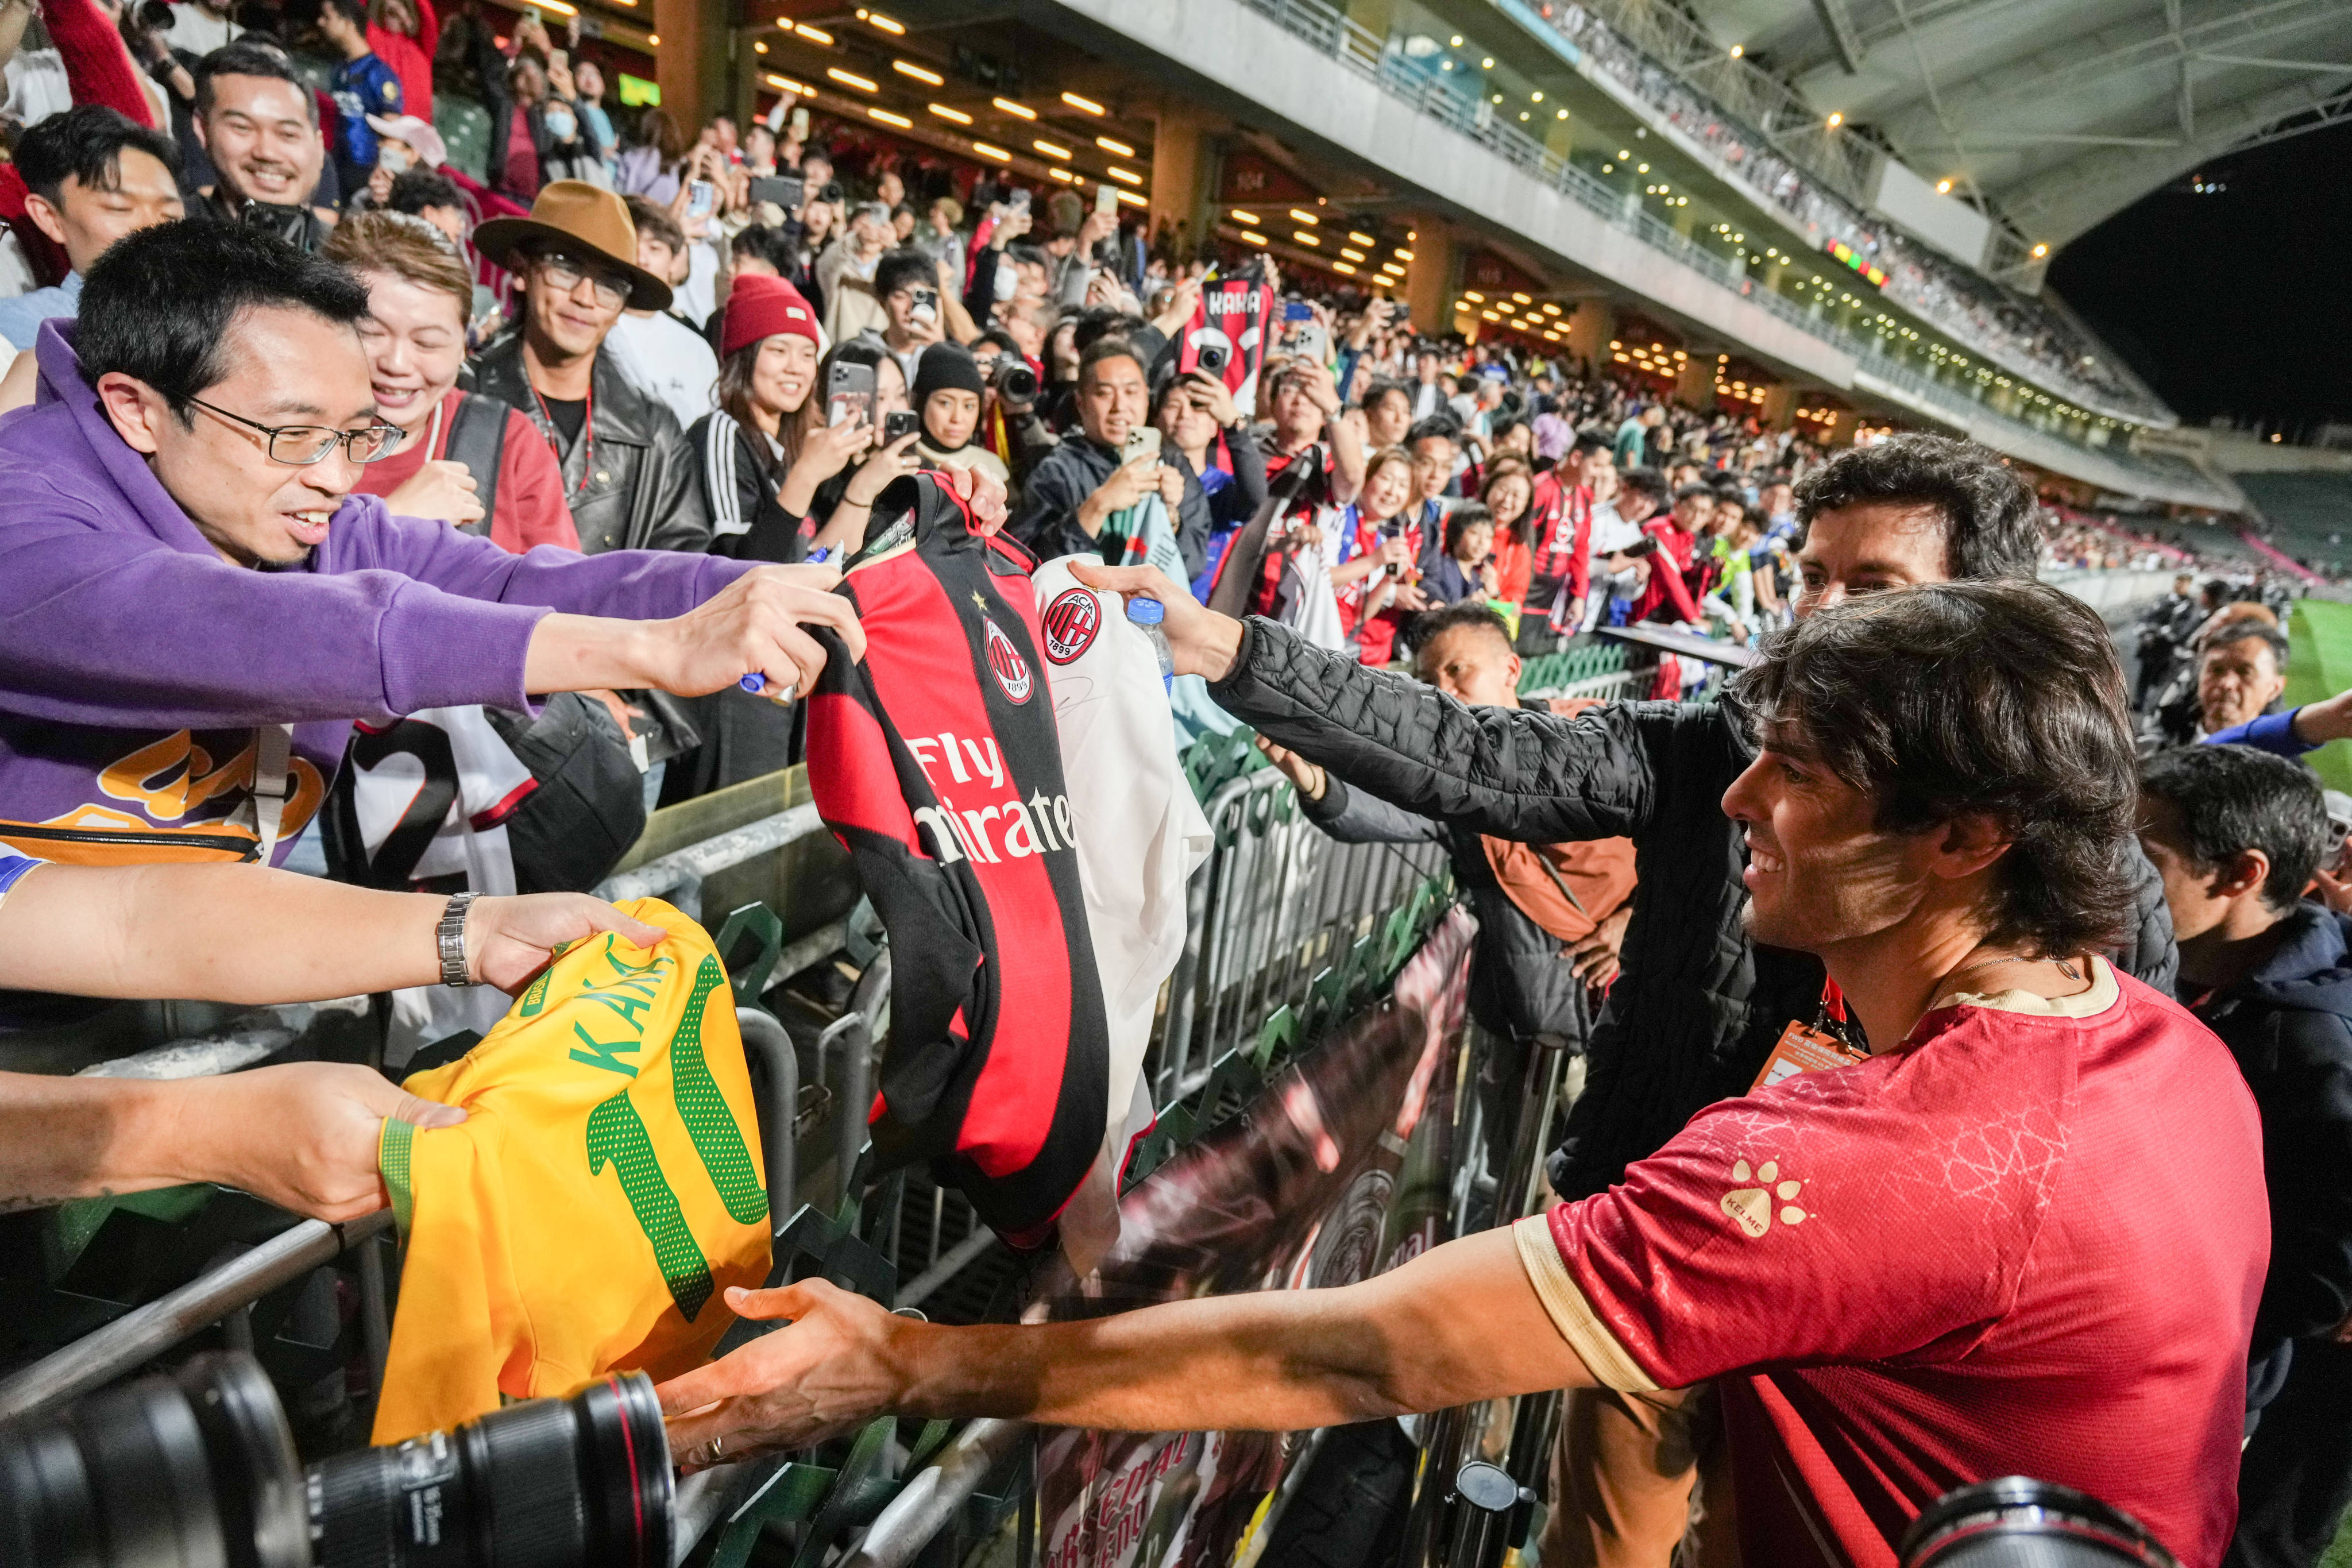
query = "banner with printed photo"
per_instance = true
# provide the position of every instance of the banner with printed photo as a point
(1336, 1171)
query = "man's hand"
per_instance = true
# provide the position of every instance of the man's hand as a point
(302, 1136)
(510, 940)
(2335, 891)
(1308, 779)
(877, 474)
(1203, 642)
(1212, 396)
(441, 489)
(1177, 316)
(1128, 484)
(1594, 958)
(752, 624)
(827, 1374)
(984, 494)
(1313, 378)
(1009, 227)
(1172, 488)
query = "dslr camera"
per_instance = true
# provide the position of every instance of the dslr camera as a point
(198, 1466)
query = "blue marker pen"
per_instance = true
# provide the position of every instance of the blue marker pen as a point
(755, 681)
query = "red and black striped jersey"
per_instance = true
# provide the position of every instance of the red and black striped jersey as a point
(936, 763)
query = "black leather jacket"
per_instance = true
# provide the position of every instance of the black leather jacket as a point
(641, 494)
(1697, 1006)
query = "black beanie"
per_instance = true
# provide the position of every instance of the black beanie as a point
(946, 367)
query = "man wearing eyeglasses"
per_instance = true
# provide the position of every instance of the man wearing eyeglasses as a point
(627, 471)
(194, 605)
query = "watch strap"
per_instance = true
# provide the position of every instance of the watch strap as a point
(449, 936)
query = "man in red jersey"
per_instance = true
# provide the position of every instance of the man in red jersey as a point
(2022, 1231)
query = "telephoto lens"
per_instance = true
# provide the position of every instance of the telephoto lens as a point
(197, 1469)
(2018, 1523)
(1015, 382)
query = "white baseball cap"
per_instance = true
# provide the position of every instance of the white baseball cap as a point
(419, 134)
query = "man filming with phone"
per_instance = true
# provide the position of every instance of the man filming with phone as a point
(1108, 467)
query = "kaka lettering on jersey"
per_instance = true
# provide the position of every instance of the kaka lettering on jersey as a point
(1010, 829)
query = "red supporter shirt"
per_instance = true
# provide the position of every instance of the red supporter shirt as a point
(530, 505)
(2028, 1242)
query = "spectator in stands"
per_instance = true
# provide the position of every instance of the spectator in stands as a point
(1633, 435)
(466, 460)
(2164, 629)
(1926, 852)
(1307, 411)
(535, 132)
(1078, 489)
(91, 176)
(628, 475)
(1197, 418)
(2237, 835)
(949, 394)
(1388, 415)
(649, 163)
(431, 195)
(1010, 425)
(1509, 496)
(200, 26)
(1434, 443)
(1463, 569)
(588, 98)
(1695, 1013)
(1551, 917)
(363, 86)
(207, 421)
(840, 470)
(907, 281)
(405, 34)
(2240, 673)
(259, 126)
(767, 378)
(656, 351)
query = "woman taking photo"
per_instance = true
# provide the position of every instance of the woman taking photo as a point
(471, 461)
(1371, 549)
(778, 478)
(1509, 494)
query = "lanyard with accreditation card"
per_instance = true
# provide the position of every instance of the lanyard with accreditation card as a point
(1827, 1042)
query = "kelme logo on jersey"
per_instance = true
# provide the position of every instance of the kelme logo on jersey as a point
(1004, 662)
(1070, 623)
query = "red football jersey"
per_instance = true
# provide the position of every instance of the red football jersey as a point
(2025, 1243)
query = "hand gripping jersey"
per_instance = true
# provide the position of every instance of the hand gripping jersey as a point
(602, 1193)
(936, 763)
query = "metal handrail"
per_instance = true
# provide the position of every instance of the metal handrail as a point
(765, 1040)
(121, 1346)
(928, 1501)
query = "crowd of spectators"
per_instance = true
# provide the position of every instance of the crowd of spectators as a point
(2028, 336)
(546, 433)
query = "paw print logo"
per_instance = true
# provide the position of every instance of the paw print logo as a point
(1751, 1207)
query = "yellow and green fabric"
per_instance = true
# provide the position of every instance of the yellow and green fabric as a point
(603, 1190)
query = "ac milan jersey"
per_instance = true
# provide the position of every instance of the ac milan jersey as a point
(936, 763)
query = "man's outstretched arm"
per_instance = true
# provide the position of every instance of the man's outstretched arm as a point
(1459, 1323)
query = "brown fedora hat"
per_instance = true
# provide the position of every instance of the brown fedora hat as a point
(579, 216)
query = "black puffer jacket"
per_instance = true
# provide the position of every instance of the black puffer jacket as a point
(1697, 1006)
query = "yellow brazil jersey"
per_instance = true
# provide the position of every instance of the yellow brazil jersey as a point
(601, 1194)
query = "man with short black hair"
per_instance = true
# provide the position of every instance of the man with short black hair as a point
(198, 602)
(362, 85)
(1388, 415)
(1434, 443)
(2237, 835)
(1077, 488)
(258, 124)
(655, 349)
(2020, 1232)
(434, 196)
(91, 176)
(907, 283)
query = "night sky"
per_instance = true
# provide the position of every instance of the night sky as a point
(2235, 303)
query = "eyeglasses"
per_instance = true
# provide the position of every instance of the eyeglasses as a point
(565, 273)
(300, 446)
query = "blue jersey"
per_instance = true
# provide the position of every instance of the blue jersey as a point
(13, 866)
(360, 88)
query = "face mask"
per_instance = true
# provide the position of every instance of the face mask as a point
(561, 125)
(1007, 280)
(393, 158)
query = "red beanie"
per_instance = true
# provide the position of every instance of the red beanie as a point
(758, 307)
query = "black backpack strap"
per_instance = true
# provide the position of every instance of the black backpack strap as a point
(477, 436)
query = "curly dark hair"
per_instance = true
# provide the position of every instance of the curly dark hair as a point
(1992, 523)
(2017, 714)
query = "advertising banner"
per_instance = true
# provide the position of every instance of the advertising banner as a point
(1336, 1171)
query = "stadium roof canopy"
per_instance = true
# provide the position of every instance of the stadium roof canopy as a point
(2055, 113)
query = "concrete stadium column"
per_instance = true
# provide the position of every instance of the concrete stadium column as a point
(1429, 276)
(1694, 387)
(1183, 160)
(1590, 329)
(691, 64)
(1780, 408)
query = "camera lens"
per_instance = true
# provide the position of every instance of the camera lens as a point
(2017, 1522)
(1014, 381)
(197, 1470)
(196, 1467)
(1212, 357)
(580, 1482)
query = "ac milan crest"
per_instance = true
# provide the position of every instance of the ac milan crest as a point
(1004, 662)
(1070, 623)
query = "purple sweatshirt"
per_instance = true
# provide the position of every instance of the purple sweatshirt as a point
(135, 662)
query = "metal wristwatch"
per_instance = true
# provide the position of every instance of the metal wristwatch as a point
(450, 934)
